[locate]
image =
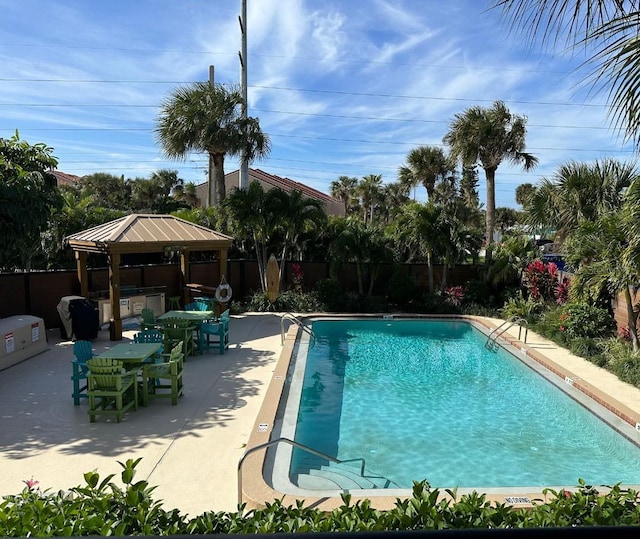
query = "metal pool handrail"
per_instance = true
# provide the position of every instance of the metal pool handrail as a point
(299, 323)
(295, 444)
(512, 321)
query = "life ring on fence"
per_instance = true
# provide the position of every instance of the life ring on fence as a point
(223, 293)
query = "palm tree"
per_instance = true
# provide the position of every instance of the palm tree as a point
(206, 118)
(607, 29)
(252, 218)
(426, 165)
(366, 246)
(370, 189)
(579, 192)
(344, 189)
(488, 136)
(596, 251)
(295, 215)
(419, 228)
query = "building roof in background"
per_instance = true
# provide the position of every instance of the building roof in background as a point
(64, 178)
(290, 185)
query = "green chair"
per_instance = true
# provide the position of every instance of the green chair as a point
(82, 351)
(164, 380)
(148, 319)
(151, 336)
(204, 303)
(175, 330)
(216, 333)
(173, 303)
(112, 391)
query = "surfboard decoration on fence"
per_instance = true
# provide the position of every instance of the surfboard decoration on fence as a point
(273, 279)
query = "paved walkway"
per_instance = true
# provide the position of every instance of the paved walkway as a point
(189, 451)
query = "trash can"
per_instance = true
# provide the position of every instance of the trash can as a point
(85, 321)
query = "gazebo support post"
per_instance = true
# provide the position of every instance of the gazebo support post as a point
(115, 327)
(222, 255)
(184, 276)
(81, 269)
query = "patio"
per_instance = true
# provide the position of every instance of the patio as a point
(189, 451)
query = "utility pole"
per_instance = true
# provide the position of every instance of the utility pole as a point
(244, 163)
(212, 195)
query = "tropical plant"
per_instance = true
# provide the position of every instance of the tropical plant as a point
(295, 214)
(579, 193)
(370, 190)
(510, 260)
(596, 251)
(488, 136)
(426, 165)
(154, 195)
(106, 190)
(28, 199)
(252, 218)
(418, 228)
(344, 189)
(608, 30)
(366, 246)
(205, 117)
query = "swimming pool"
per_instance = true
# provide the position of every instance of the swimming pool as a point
(424, 399)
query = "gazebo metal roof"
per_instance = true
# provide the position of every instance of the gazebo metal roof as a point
(146, 233)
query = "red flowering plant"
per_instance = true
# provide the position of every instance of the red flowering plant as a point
(297, 276)
(454, 295)
(561, 291)
(540, 280)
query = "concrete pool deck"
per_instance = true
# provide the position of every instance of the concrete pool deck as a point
(189, 451)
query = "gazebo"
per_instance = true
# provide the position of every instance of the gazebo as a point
(141, 233)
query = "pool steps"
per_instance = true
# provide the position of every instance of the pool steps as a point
(315, 474)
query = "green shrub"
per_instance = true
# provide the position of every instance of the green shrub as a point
(101, 508)
(584, 320)
(401, 289)
(518, 306)
(589, 349)
(287, 301)
(627, 367)
(330, 294)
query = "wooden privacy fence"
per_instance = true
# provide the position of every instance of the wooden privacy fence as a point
(38, 293)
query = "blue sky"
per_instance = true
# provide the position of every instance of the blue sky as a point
(342, 87)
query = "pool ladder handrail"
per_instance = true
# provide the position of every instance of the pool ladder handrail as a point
(505, 326)
(299, 323)
(299, 446)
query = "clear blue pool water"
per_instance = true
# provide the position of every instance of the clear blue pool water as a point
(426, 400)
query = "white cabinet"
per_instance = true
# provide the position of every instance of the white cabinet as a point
(23, 336)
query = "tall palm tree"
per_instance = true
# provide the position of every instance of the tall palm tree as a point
(206, 118)
(344, 189)
(489, 136)
(370, 189)
(426, 165)
(608, 29)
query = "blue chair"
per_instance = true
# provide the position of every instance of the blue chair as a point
(82, 350)
(213, 333)
(153, 336)
(196, 306)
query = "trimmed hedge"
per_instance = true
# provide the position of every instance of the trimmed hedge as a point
(101, 507)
